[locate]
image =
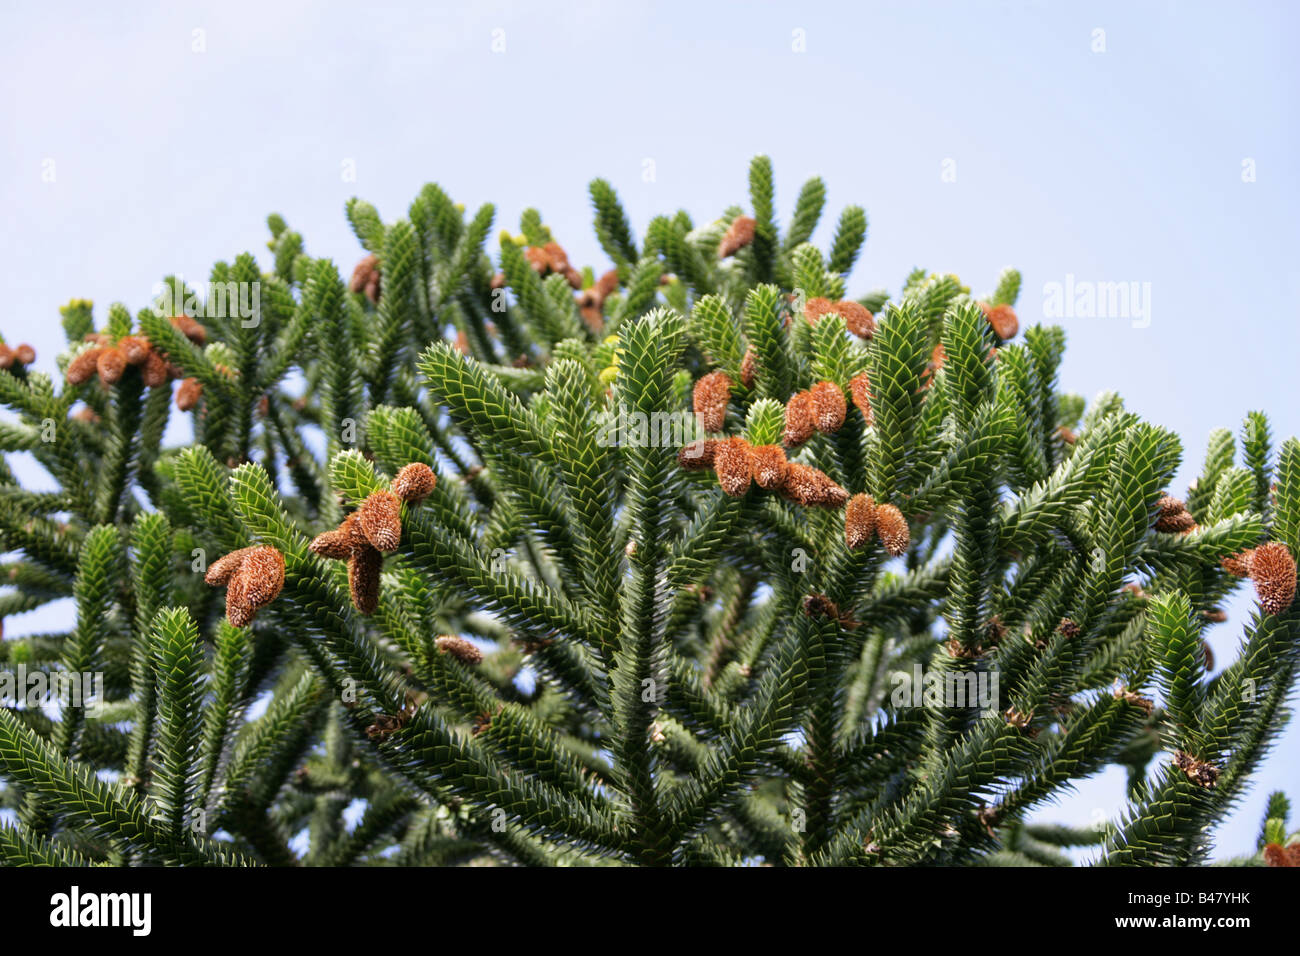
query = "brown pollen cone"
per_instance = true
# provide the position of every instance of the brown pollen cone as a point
(7, 356)
(365, 278)
(1238, 565)
(364, 567)
(24, 354)
(711, 395)
(731, 465)
(739, 234)
(263, 571)
(891, 526)
(187, 396)
(415, 482)
(697, 455)
(223, 569)
(816, 307)
(859, 521)
(604, 286)
(111, 364)
(459, 648)
(1272, 568)
(768, 466)
(1003, 319)
(341, 542)
(1173, 516)
(155, 372)
(860, 389)
(380, 520)
(828, 406)
(191, 328)
(799, 422)
(135, 348)
(749, 368)
(256, 582)
(857, 318)
(81, 368)
(812, 487)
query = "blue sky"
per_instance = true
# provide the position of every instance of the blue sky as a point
(1113, 161)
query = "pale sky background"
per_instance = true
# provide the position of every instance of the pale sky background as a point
(169, 147)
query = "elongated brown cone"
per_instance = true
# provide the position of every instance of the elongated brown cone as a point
(1272, 568)
(81, 368)
(155, 372)
(7, 356)
(739, 234)
(812, 487)
(828, 406)
(256, 582)
(749, 368)
(731, 465)
(238, 611)
(859, 521)
(860, 389)
(223, 569)
(365, 278)
(1003, 319)
(799, 423)
(1238, 565)
(341, 542)
(136, 349)
(767, 466)
(604, 286)
(816, 307)
(415, 482)
(697, 455)
(891, 526)
(191, 328)
(364, 568)
(110, 365)
(263, 570)
(712, 393)
(380, 520)
(857, 318)
(187, 396)
(459, 648)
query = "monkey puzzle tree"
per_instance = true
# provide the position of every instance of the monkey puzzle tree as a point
(697, 561)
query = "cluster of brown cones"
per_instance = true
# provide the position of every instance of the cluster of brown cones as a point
(372, 530)
(1272, 569)
(857, 317)
(738, 464)
(20, 356)
(819, 409)
(864, 520)
(365, 278)
(253, 578)
(108, 358)
(1002, 318)
(739, 234)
